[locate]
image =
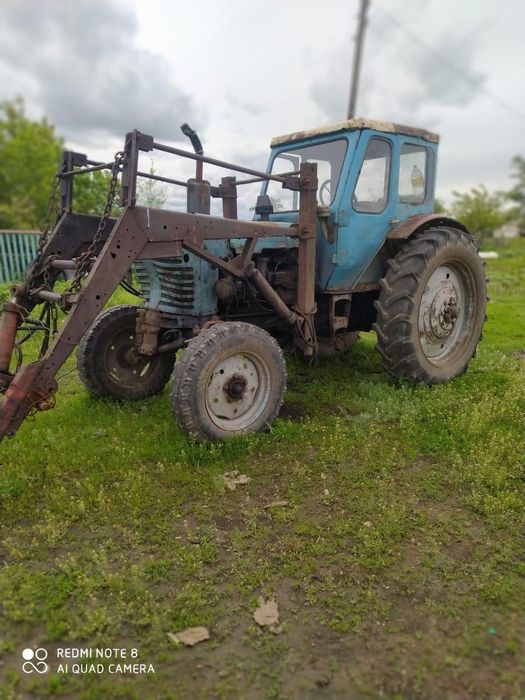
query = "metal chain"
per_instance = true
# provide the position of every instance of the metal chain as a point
(84, 258)
(48, 320)
(48, 221)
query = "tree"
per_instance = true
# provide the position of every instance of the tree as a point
(29, 156)
(30, 153)
(152, 193)
(439, 206)
(90, 193)
(517, 193)
(480, 210)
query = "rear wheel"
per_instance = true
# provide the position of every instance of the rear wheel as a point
(230, 380)
(109, 364)
(431, 306)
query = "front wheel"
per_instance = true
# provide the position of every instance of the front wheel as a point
(431, 306)
(109, 365)
(230, 380)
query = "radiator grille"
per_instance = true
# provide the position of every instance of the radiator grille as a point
(167, 284)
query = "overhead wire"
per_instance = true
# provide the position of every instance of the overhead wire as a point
(453, 68)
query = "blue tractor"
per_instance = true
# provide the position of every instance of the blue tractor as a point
(343, 240)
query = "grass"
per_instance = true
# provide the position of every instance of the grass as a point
(397, 564)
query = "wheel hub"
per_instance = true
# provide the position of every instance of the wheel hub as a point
(237, 391)
(131, 357)
(450, 312)
(443, 312)
(236, 387)
(123, 363)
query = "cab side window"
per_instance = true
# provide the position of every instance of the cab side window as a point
(371, 190)
(413, 166)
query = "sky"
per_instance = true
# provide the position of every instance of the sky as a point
(242, 71)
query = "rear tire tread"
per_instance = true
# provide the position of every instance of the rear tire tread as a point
(397, 298)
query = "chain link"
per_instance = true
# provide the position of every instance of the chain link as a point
(48, 222)
(48, 320)
(84, 258)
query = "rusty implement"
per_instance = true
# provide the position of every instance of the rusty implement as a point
(105, 249)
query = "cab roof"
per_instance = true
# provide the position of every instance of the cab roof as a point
(355, 124)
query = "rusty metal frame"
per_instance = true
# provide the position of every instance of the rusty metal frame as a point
(145, 233)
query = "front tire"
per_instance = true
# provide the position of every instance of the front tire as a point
(431, 306)
(107, 362)
(230, 380)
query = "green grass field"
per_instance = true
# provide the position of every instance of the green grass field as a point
(398, 563)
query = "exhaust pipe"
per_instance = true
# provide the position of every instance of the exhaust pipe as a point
(197, 147)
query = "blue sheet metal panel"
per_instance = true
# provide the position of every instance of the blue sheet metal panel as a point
(361, 235)
(403, 210)
(373, 271)
(335, 259)
(353, 257)
(182, 285)
(271, 243)
(326, 264)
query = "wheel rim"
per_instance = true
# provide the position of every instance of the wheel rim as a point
(124, 365)
(237, 391)
(447, 313)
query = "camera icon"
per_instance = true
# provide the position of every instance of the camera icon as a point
(35, 660)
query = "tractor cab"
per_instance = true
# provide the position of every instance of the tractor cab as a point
(371, 176)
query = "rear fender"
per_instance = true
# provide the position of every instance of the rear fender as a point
(405, 229)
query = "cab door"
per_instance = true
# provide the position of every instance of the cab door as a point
(366, 209)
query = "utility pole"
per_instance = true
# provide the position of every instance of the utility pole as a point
(358, 50)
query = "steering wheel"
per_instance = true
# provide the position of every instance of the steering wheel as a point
(325, 190)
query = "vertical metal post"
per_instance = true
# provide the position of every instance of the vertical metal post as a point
(199, 175)
(66, 183)
(307, 233)
(228, 192)
(128, 195)
(358, 50)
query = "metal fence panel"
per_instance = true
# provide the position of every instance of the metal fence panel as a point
(17, 251)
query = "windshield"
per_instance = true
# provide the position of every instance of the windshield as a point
(329, 157)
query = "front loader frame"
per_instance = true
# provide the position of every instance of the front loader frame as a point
(145, 233)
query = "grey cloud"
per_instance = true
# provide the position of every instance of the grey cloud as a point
(237, 103)
(453, 81)
(400, 78)
(256, 158)
(85, 71)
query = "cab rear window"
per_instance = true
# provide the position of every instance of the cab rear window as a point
(413, 180)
